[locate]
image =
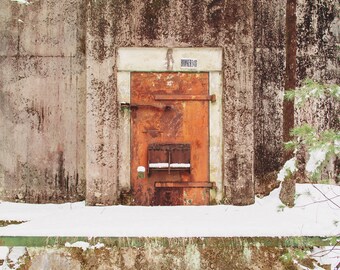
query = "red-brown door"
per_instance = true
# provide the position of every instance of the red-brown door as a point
(170, 138)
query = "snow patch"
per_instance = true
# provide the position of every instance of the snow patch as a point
(98, 246)
(166, 165)
(84, 245)
(158, 165)
(141, 169)
(180, 165)
(5, 266)
(13, 259)
(80, 244)
(288, 168)
(302, 267)
(16, 253)
(317, 156)
(3, 253)
(327, 255)
(23, 2)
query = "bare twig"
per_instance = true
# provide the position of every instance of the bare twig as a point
(325, 252)
(321, 201)
(323, 194)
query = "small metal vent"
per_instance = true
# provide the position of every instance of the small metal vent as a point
(169, 157)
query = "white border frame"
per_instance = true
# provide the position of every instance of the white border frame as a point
(161, 60)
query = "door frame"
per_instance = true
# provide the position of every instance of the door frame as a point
(137, 59)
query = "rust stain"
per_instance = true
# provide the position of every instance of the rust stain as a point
(176, 132)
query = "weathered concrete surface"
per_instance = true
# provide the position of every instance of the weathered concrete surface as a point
(269, 53)
(58, 87)
(42, 101)
(162, 253)
(318, 58)
(318, 54)
(226, 24)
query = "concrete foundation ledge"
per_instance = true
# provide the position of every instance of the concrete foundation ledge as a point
(165, 253)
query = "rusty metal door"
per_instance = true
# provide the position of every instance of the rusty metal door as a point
(170, 138)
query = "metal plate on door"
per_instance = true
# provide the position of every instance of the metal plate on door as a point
(170, 138)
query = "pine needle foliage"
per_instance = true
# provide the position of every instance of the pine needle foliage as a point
(323, 145)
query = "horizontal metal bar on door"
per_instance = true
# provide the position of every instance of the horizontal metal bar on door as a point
(211, 98)
(145, 106)
(184, 184)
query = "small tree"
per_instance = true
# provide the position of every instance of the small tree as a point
(316, 152)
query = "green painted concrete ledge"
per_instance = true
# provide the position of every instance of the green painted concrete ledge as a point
(305, 241)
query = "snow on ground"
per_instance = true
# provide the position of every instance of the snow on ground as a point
(266, 217)
(12, 257)
(327, 255)
(3, 253)
(84, 245)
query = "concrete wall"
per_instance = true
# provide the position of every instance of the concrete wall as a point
(42, 101)
(318, 57)
(58, 87)
(226, 24)
(269, 79)
(318, 53)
